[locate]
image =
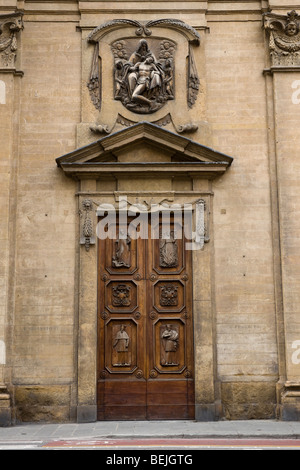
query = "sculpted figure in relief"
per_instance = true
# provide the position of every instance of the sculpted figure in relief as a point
(122, 251)
(142, 83)
(147, 87)
(121, 344)
(170, 338)
(168, 251)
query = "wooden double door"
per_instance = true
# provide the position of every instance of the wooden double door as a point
(145, 324)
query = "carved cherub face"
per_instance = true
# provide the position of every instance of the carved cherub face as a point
(291, 29)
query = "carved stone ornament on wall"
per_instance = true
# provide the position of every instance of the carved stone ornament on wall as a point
(10, 25)
(143, 77)
(284, 38)
(87, 237)
(144, 65)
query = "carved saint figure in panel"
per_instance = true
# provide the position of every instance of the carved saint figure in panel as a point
(170, 338)
(143, 83)
(168, 250)
(121, 345)
(121, 295)
(122, 251)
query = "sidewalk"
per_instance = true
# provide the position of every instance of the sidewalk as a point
(153, 429)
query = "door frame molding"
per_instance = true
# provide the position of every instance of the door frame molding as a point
(206, 391)
(89, 166)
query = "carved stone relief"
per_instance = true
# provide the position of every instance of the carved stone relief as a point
(143, 76)
(284, 38)
(144, 66)
(10, 25)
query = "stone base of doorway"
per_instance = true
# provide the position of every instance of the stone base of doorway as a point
(290, 402)
(208, 412)
(5, 408)
(86, 413)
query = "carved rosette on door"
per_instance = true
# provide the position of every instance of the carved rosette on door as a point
(145, 363)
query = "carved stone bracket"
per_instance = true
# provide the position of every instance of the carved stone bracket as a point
(284, 38)
(10, 25)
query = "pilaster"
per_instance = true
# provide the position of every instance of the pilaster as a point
(10, 26)
(283, 36)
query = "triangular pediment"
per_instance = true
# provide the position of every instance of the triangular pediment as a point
(143, 147)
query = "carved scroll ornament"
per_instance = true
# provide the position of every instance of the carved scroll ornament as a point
(284, 38)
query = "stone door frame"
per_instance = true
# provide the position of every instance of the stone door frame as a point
(203, 313)
(184, 158)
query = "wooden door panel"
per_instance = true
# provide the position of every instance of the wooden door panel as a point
(123, 399)
(121, 327)
(173, 403)
(169, 346)
(170, 304)
(145, 360)
(168, 295)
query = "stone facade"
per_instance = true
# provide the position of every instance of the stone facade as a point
(228, 117)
